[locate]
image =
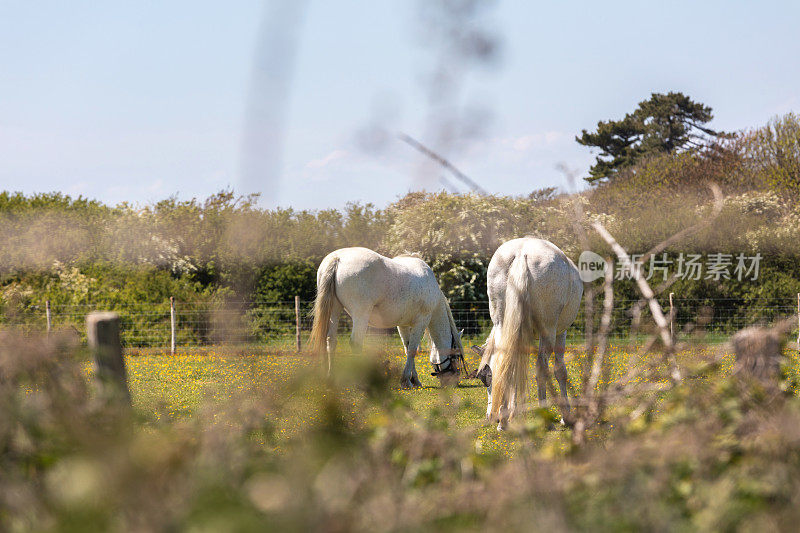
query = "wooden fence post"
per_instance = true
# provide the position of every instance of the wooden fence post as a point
(172, 325)
(671, 318)
(47, 315)
(102, 332)
(297, 322)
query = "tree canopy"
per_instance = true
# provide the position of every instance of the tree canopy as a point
(666, 123)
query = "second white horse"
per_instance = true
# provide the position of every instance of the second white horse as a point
(534, 290)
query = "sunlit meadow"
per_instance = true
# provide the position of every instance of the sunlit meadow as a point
(166, 387)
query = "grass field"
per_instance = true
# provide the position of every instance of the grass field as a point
(175, 386)
(166, 387)
(182, 382)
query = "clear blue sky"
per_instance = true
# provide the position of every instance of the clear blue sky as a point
(135, 101)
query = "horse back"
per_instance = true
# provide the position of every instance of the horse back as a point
(366, 276)
(554, 281)
(359, 273)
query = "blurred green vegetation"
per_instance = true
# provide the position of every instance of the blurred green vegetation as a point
(246, 443)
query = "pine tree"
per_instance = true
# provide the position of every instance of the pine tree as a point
(666, 123)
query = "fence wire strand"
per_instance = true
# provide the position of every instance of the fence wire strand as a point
(273, 324)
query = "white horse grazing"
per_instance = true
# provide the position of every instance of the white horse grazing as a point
(534, 290)
(384, 293)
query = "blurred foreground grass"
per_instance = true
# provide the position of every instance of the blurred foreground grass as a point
(234, 440)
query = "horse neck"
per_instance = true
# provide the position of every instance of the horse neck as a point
(440, 329)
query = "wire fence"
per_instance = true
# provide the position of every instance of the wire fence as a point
(276, 324)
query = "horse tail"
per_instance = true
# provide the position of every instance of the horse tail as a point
(489, 348)
(510, 375)
(323, 306)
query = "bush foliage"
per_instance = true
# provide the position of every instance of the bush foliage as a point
(226, 247)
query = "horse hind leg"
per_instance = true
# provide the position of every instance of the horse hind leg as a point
(359, 333)
(333, 333)
(561, 368)
(546, 345)
(487, 360)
